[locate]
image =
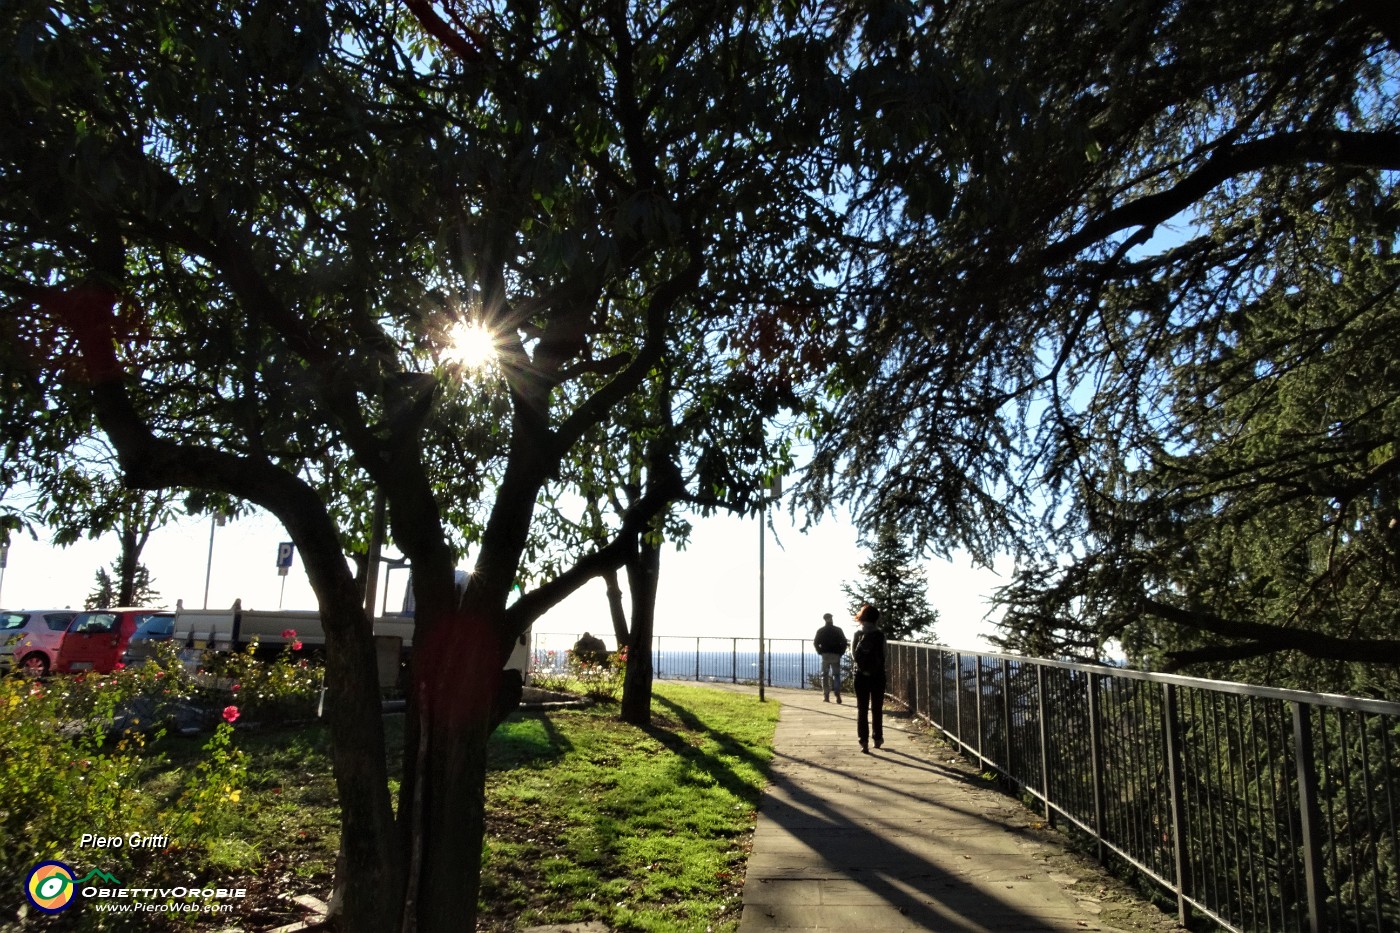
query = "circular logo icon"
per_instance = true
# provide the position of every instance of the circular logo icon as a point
(50, 886)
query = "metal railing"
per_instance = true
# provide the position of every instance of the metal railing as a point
(1262, 809)
(789, 662)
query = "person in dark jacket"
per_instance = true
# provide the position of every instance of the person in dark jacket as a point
(830, 643)
(868, 652)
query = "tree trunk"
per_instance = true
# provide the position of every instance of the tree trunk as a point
(368, 866)
(126, 567)
(457, 671)
(642, 575)
(617, 611)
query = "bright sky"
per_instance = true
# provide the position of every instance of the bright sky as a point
(709, 589)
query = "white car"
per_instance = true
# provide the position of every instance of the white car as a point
(29, 638)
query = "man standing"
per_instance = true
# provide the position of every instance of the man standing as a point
(868, 651)
(830, 643)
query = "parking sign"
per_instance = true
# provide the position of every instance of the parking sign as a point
(284, 558)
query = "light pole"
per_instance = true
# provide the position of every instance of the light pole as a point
(4, 559)
(217, 522)
(772, 489)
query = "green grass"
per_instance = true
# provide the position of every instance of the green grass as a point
(641, 829)
(588, 818)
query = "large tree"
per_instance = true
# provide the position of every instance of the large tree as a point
(1131, 262)
(236, 239)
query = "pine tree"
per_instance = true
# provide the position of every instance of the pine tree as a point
(106, 593)
(895, 583)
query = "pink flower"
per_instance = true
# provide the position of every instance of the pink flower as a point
(289, 634)
(235, 687)
(230, 713)
(119, 665)
(296, 646)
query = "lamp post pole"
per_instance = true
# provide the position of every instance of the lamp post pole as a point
(762, 535)
(773, 488)
(217, 521)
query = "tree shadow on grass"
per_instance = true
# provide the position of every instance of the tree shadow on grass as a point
(712, 761)
(525, 740)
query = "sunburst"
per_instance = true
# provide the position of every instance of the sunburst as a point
(471, 345)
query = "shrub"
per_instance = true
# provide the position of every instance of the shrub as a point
(75, 749)
(600, 681)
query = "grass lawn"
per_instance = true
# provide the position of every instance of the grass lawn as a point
(589, 818)
(642, 829)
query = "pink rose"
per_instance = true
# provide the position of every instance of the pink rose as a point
(230, 713)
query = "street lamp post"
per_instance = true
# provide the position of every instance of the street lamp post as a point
(772, 490)
(217, 522)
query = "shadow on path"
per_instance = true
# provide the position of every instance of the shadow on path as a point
(887, 841)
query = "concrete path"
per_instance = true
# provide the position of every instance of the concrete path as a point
(900, 839)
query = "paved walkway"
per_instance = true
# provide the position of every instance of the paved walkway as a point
(897, 840)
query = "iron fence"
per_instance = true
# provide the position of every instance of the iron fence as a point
(788, 662)
(1263, 809)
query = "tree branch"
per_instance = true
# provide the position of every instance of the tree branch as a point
(666, 488)
(1363, 150)
(464, 41)
(1263, 638)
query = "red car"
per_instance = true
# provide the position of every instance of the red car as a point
(93, 641)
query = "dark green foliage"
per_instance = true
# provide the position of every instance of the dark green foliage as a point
(1129, 322)
(895, 582)
(235, 241)
(107, 592)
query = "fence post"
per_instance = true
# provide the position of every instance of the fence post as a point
(909, 666)
(980, 730)
(942, 692)
(697, 658)
(1310, 814)
(1171, 732)
(1042, 703)
(920, 680)
(802, 665)
(1006, 716)
(734, 660)
(1096, 763)
(957, 697)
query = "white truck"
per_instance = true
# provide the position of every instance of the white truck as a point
(200, 630)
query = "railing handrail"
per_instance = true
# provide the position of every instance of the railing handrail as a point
(1259, 807)
(1335, 700)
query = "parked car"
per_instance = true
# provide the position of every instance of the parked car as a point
(32, 633)
(95, 640)
(149, 633)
